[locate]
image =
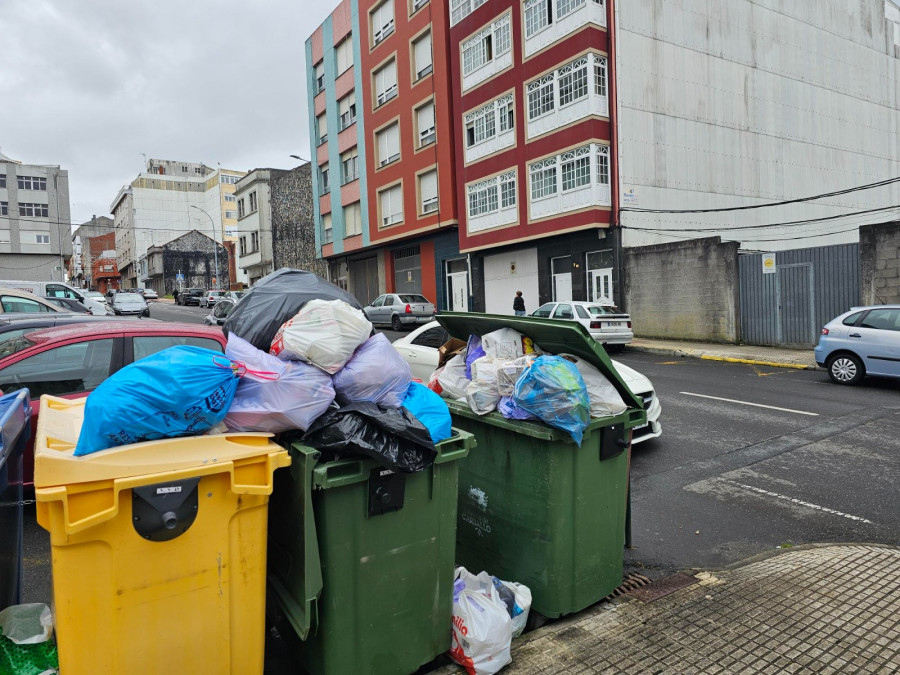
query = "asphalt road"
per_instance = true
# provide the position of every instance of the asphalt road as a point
(754, 458)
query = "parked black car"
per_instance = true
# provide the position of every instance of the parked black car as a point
(191, 296)
(68, 304)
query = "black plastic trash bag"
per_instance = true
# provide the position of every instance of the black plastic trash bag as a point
(390, 436)
(276, 298)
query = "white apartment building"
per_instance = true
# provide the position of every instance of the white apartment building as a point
(168, 199)
(35, 240)
(254, 211)
(757, 101)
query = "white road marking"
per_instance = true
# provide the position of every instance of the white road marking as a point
(755, 405)
(800, 502)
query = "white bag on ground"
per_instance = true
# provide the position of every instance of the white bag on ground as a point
(324, 333)
(508, 373)
(376, 373)
(453, 379)
(482, 632)
(482, 394)
(505, 343)
(605, 400)
(275, 395)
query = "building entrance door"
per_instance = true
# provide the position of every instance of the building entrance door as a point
(561, 269)
(457, 285)
(600, 284)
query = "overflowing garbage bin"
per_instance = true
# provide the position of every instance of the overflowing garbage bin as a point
(533, 505)
(159, 548)
(15, 430)
(361, 559)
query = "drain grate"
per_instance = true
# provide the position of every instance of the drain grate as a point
(629, 583)
(662, 587)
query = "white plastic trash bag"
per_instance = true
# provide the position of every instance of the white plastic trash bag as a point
(482, 627)
(505, 343)
(28, 624)
(275, 395)
(452, 379)
(605, 400)
(508, 373)
(324, 333)
(482, 394)
(376, 373)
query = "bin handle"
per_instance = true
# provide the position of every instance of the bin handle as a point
(464, 442)
(337, 474)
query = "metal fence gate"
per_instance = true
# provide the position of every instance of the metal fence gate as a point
(808, 288)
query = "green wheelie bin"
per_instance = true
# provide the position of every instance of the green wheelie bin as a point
(361, 560)
(534, 507)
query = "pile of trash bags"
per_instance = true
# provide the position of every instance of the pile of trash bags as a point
(301, 357)
(507, 372)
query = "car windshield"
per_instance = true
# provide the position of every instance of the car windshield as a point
(195, 291)
(119, 298)
(597, 310)
(413, 298)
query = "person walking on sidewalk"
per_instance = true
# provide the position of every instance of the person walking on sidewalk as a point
(519, 304)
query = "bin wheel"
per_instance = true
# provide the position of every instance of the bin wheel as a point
(535, 620)
(395, 323)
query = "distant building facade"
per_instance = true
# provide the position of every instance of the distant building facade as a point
(187, 261)
(254, 209)
(293, 222)
(35, 244)
(81, 263)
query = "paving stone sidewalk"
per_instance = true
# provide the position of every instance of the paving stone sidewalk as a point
(766, 356)
(829, 609)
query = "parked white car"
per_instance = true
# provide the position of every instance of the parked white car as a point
(605, 322)
(420, 350)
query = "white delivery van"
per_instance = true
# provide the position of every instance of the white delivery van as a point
(57, 289)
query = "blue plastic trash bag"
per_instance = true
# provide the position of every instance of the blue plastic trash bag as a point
(554, 391)
(473, 353)
(376, 372)
(180, 391)
(508, 408)
(275, 395)
(430, 410)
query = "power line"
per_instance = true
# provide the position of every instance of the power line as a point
(837, 193)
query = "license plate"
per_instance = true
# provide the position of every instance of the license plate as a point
(613, 324)
(423, 319)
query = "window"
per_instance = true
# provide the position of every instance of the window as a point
(540, 97)
(481, 125)
(505, 107)
(347, 110)
(581, 80)
(322, 128)
(4, 208)
(231, 214)
(882, 319)
(486, 46)
(32, 183)
(428, 191)
(460, 9)
(323, 179)
(253, 205)
(231, 180)
(852, 319)
(388, 142)
(68, 369)
(418, 4)
(563, 7)
(242, 244)
(422, 60)
(352, 220)
(433, 337)
(349, 166)
(241, 212)
(145, 346)
(543, 178)
(599, 77)
(563, 311)
(573, 81)
(254, 242)
(538, 15)
(382, 21)
(42, 239)
(544, 310)
(343, 55)
(327, 232)
(425, 124)
(391, 205)
(230, 198)
(320, 76)
(582, 312)
(386, 83)
(33, 210)
(11, 303)
(487, 196)
(2, 180)
(576, 171)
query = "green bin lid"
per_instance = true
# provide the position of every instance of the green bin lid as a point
(551, 335)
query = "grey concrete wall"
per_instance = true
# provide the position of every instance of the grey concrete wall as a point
(684, 290)
(879, 263)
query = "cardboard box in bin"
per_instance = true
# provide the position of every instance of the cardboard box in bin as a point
(449, 349)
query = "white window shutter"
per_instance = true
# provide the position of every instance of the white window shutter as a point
(423, 54)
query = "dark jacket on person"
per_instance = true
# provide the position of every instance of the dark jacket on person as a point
(519, 304)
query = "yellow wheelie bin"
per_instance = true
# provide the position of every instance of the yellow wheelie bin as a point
(159, 548)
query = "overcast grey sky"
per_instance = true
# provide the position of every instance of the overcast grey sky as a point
(92, 84)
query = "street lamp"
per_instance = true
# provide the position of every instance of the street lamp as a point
(215, 243)
(302, 159)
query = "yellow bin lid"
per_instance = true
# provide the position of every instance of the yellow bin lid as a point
(59, 424)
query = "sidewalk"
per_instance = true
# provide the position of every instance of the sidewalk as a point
(828, 609)
(762, 356)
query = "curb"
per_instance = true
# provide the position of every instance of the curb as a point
(667, 351)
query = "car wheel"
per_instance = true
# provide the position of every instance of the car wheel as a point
(845, 369)
(614, 349)
(395, 323)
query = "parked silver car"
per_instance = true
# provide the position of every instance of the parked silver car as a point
(400, 309)
(125, 304)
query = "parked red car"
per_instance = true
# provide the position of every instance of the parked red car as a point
(71, 361)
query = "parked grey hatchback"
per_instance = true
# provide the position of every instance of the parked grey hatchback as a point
(400, 309)
(863, 341)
